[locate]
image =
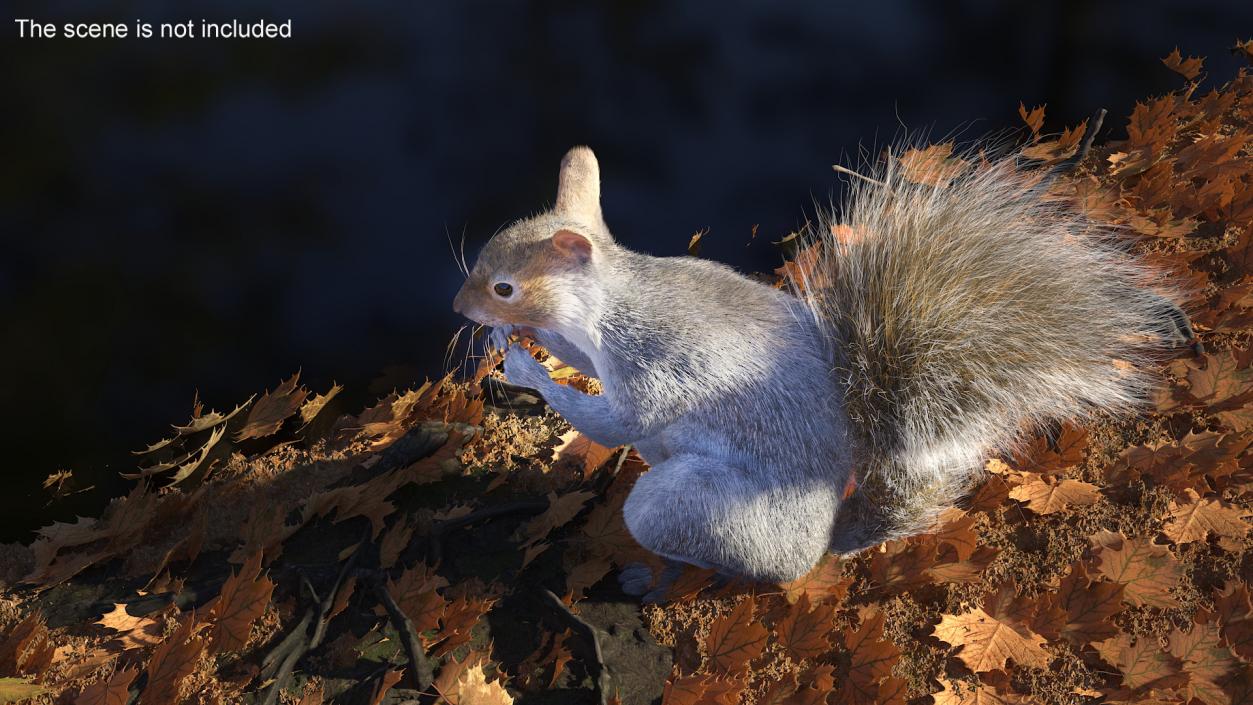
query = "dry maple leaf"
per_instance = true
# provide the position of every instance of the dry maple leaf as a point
(474, 688)
(133, 632)
(579, 450)
(1207, 663)
(114, 690)
(585, 575)
(243, 599)
(1034, 119)
(559, 513)
(701, 690)
(823, 582)
(416, 593)
(933, 165)
(389, 679)
(1196, 519)
(1044, 497)
(803, 632)
(271, 410)
(735, 639)
(963, 693)
(1147, 570)
(1080, 608)
(1235, 617)
(27, 647)
(988, 643)
(1188, 68)
(1143, 663)
(172, 661)
(870, 660)
(16, 690)
(312, 407)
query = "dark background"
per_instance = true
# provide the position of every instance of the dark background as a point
(208, 215)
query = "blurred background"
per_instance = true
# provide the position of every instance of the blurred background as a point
(210, 216)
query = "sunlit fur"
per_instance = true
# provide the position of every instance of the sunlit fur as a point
(962, 315)
(968, 312)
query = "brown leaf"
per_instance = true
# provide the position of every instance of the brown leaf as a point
(1080, 609)
(16, 690)
(933, 165)
(1207, 663)
(1147, 570)
(824, 582)
(803, 632)
(312, 407)
(243, 599)
(389, 678)
(474, 689)
(735, 639)
(870, 659)
(1048, 497)
(580, 451)
(133, 632)
(701, 690)
(271, 410)
(1143, 663)
(172, 661)
(114, 690)
(987, 643)
(1034, 119)
(1188, 68)
(1196, 519)
(559, 513)
(585, 575)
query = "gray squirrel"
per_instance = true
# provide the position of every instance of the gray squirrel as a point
(937, 320)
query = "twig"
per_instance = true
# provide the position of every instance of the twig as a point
(300, 641)
(423, 671)
(436, 537)
(850, 172)
(590, 633)
(1087, 141)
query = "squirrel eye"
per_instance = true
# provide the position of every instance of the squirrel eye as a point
(503, 290)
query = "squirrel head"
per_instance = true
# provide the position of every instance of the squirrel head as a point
(542, 272)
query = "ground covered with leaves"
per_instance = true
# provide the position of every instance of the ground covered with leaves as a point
(460, 543)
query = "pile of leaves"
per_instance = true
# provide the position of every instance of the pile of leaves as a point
(459, 543)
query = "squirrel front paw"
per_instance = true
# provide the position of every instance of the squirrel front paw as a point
(523, 370)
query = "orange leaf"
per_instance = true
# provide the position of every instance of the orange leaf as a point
(1199, 517)
(386, 681)
(172, 661)
(803, 632)
(114, 690)
(1148, 570)
(823, 582)
(1143, 664)
(987, 643)
(271, 410)
(1188, 68)
(243, 599)
(735, 639)
(1046, 498)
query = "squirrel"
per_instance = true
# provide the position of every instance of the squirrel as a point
(936, 322)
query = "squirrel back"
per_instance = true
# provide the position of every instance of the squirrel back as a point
(966, 304)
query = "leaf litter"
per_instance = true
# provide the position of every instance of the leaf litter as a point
(286, 551)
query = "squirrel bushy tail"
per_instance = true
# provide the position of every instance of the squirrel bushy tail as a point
(964, 309)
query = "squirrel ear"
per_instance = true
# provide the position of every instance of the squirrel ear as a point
(573, 245)
(578, 186)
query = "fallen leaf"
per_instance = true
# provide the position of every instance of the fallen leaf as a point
(1200, 517)
(735, 639)
(1147, 570)
(114, 690)
(987, 643)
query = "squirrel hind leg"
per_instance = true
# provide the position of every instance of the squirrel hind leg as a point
(860, 524)
(705, 512)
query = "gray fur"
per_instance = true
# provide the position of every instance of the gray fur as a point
(971, 312)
